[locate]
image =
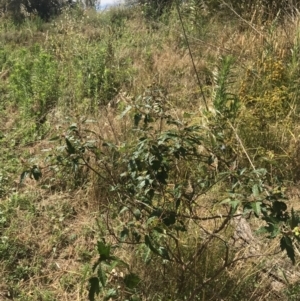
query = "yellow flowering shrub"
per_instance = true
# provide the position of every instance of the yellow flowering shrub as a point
(264, 93)
(265, 98)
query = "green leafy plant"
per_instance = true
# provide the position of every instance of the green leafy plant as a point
(158, 179)
(34, 84)
(107, 266)
(33, 172)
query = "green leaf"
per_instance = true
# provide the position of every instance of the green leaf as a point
(262, 230)
(94, 288)
(162, 177)
(131, 280)
(233, 203)
(123, 209)
(111, 293)
(163, 253)
(124, 233)
(142, 184)
(103, 250)
(36, 172)
(256, 206)
(169, 218)
(149, 245)
(242, 171)
(137, 214)
(255, 190)
(273, 230)
(226, 201)
(279, 206)
(147, 256)
(23, 176)
(118, 261)
(260, 171)
(70, 148)
(287, 244)
(102, 276)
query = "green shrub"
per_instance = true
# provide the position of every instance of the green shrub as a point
(34, 84)
(158, 181)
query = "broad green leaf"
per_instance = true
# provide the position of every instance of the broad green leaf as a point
(287, 244)
(162, 177)
(279, 208)
(147, 256)
(272, 229)
(153, 219)
(234, 204)
(94, 288)
(70, 148)
(36, 172)
(137, 214)
(256, 206)
(142, 184)
(149, 245)
(131, 280)
(103, 250)
(255, 190)
(262, 230)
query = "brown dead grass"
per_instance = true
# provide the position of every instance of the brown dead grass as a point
(58, 234)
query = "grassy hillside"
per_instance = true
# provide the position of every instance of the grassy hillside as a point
(131, 145)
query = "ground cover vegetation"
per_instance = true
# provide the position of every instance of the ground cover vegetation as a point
(134, 140)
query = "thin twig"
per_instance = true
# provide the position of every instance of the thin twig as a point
(242, 145)
(191, 55)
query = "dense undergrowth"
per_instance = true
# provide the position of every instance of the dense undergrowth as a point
(122, 168)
